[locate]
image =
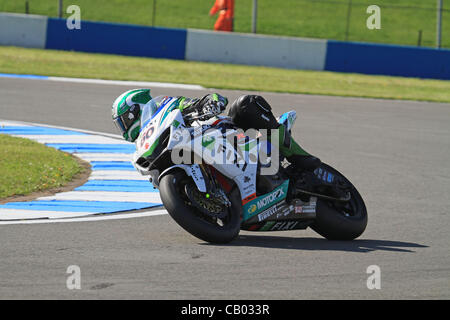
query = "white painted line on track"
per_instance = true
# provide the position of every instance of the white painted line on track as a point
(116, 175)
(103, 156)
(104, 82)
(106, 196)
(15, 214)
(71, 139)
(102, 217)
(129, 83)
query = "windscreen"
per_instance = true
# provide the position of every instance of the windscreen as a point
(150, 108)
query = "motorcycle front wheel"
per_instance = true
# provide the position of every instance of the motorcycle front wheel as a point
(203, 226)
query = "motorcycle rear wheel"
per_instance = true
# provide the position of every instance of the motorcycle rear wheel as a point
(191, 219)
(336, 223)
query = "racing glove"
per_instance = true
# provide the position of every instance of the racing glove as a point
(212, 105)
(206, 107)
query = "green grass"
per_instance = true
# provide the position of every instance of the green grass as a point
(222, 76)
(27, 166)
(401, 20)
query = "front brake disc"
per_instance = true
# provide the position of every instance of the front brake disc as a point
(205, 202)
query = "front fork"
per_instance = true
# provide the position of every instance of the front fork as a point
(203, 179)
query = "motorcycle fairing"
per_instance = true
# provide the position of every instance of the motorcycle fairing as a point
(148, 139)
(295, 210)
(266, 201)
(213, 147)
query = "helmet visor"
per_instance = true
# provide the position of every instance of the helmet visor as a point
(125, 121)
(119, 124)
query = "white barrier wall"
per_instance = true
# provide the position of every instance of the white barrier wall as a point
(23, 30)
(248, 49)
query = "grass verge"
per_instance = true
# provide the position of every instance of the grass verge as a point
(220, 76)
(27, 166)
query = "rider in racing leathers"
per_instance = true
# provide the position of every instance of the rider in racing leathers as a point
(248, 111)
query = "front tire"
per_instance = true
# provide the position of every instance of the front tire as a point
(174, 198)
(334, 223)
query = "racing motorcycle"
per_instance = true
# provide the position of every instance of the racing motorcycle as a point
(212, 182)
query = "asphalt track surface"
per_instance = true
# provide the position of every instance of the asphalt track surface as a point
(397, 153)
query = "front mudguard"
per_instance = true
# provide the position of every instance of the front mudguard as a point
(193, 171)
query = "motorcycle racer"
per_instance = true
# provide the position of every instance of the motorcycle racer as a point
(248, 111)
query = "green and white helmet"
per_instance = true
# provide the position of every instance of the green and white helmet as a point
(126, 112)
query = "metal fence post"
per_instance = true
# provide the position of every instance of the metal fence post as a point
(349, 12)
(439, 23)
(154, 13)
(60, 8)
(254, 15)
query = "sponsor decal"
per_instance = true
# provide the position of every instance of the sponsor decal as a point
(249, 187)
(272, 197)
(269, 212)
(246, 200)
(324, 175)
(196, 173)
(301, 207)
(208, 142)
(281, 226)
(286, 211)
(263, 202)
(267, 226)
(175, 123)
(329, 178)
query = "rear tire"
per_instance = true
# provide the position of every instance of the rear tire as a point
(189, 218)
(332, 223)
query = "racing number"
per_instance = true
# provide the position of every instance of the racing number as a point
(147, 134)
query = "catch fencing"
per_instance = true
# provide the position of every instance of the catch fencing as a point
(403, 22)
